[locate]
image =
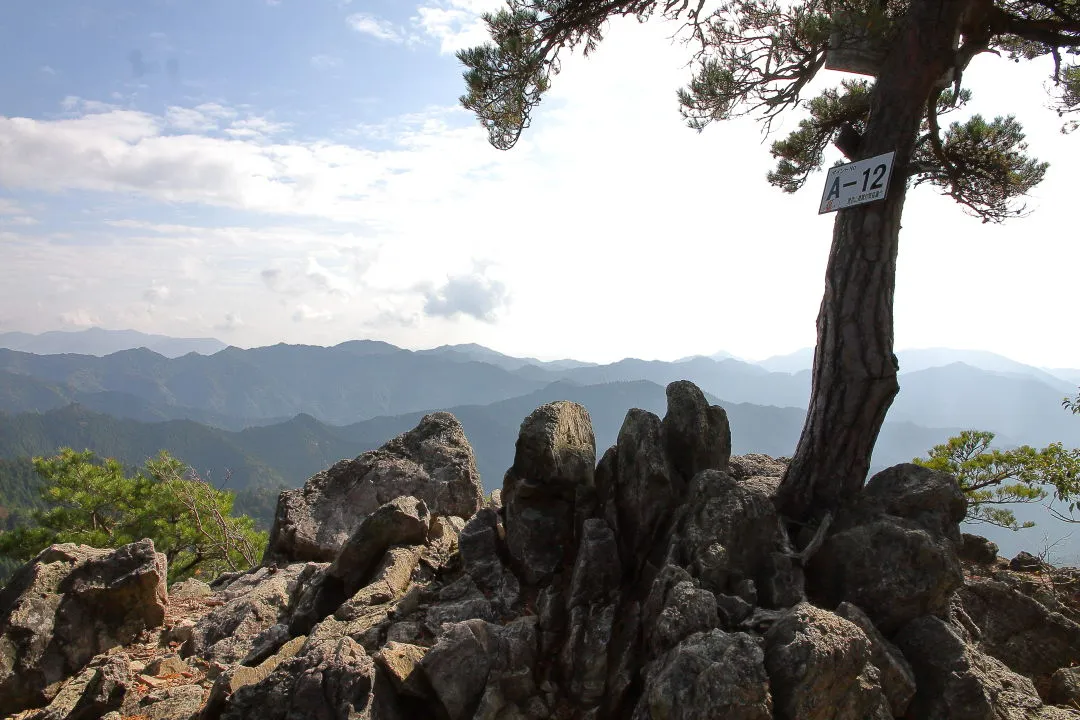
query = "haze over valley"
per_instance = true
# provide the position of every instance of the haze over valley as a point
(272, 416)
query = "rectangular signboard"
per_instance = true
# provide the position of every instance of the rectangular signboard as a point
(856, 183)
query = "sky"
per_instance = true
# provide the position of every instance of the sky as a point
(300, 171)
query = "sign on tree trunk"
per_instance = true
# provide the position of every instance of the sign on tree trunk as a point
(856, 183)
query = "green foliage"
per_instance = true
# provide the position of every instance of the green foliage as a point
(981, 165)
(1073, 405)
(757, 56)
(992, 477)
(94, 502)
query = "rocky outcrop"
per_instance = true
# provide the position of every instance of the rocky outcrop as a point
(69, 604)
(659, 582)
(1018, 629)
(894, 552)
(433, 463)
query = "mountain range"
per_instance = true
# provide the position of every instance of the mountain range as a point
(274, 415)
(98, 341)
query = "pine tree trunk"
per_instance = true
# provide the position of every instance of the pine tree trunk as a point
(854, 376)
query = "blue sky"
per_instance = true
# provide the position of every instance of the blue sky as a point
(300, 171)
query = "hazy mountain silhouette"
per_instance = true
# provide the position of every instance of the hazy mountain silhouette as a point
(97, 341)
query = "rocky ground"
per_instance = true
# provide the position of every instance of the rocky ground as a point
(658, 582)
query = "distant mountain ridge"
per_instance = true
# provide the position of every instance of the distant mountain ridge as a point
(287, 453)
(359, 380)
(101, 342)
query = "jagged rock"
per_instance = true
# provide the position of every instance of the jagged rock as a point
(897, 678)
(554, 459)
(173, 703)
(190, 588)
(240, 676)
(658, 585)
(977, 549)
(751, 465)
(675, 609)
(328, 678)
(98, 689)
(957, 682)
(479, 545)
(480, 669)
(819, 668)
(266, 643)
(643, 491)
(729, 532)
(67, 605)
(459, 601)
(696, 435)
(253, 603)
(1019, 630)
(167, 665)
(402, 521)
(1065, 687)
(711, 674)
(596, 572)
(584, 657)
(894, 554)
(400, 661)
(433, 462)
(1026, 562)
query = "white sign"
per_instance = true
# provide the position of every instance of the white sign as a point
(856, 183)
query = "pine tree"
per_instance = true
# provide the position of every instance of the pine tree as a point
(757, 57)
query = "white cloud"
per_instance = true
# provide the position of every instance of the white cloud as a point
(474, 295)
(325, 62)
(305, 313)
(232, 322)
(617, 230)
(10, 207)
(255, 127)
(188, 120)
(47, 70)
(157, 293)
(18, 220)
(456, 24)
(375, 27)
(80, 318)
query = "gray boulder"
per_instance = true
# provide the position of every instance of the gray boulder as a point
(709, 675)
(958, 682)
(98, 689)
(252, 605)
(895, 553)
(478, 669)
(643, 493)
(897, 678)
(328, 678)
(1065, 687)
(67, 605)
(820, 668)
(696, 435)
(480, 550)
(554, 461)
(402, 521)
(977, 549)
(729, 532)
(433, 462)
(1018, 629)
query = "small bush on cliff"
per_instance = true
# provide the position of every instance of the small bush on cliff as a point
(992, 478)
(93, 502)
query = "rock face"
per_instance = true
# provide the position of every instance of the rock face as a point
(553, 466)
(433, 462)
(657, 583)
(894, 553)
(70, 603)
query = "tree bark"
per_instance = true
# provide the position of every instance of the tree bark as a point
(854, 375)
